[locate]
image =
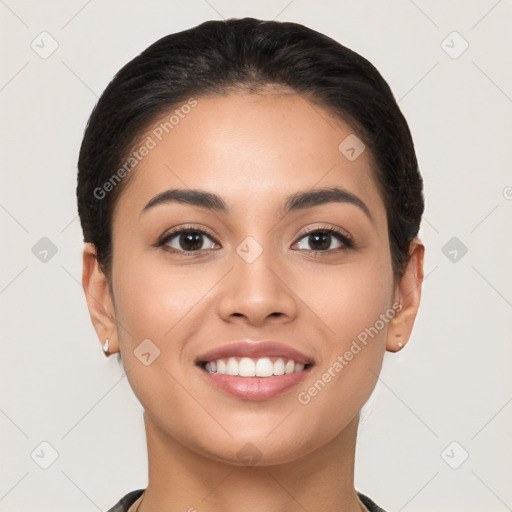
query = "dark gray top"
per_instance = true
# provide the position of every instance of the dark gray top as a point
(129, 499)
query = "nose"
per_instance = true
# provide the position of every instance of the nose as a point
(258, 291)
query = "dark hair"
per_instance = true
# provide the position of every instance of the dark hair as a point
(247, 55)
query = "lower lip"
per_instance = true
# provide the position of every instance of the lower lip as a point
(255, 388)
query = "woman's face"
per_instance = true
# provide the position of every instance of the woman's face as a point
(253, 276)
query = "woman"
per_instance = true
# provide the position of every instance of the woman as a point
(250, 200)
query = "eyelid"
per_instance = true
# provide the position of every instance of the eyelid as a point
(335, 231)
(176, 231)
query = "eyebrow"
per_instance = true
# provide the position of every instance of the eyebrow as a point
(297, 201)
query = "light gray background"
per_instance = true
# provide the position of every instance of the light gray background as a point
(450, 383)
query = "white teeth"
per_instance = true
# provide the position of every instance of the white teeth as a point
(278, 367)
(264, 367)
(221, 366)
(289, 366)
(248, 367)
(298, 367)
(232, 366)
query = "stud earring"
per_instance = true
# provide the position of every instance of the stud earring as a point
(105, 347)
(400, 345)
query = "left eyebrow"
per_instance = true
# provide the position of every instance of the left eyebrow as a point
(297, 201)
(317, 197)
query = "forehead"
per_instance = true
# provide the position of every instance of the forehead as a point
(251, 149)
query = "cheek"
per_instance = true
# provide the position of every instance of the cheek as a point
(352, 302)
(152, 301)
(347, 299)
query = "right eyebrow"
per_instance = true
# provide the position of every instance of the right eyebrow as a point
(194, 197)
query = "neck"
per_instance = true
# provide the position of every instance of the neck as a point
(183, 480)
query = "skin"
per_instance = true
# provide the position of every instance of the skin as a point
(253, 150)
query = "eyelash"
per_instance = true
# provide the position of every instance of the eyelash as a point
(327, 229)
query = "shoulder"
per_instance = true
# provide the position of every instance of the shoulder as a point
(369, 504)
(126, 501)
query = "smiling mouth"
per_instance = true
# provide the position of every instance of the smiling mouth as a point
(253, 367)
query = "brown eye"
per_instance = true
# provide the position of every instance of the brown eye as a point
(322, 240)
(187, 240)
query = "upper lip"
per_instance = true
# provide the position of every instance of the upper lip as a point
(256, 349)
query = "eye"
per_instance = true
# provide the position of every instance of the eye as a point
(321, 240)
(191, 240)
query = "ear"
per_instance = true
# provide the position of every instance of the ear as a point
(99, 300)
(407, 294)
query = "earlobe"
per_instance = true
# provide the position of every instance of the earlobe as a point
(99, 300)
(408, 295)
